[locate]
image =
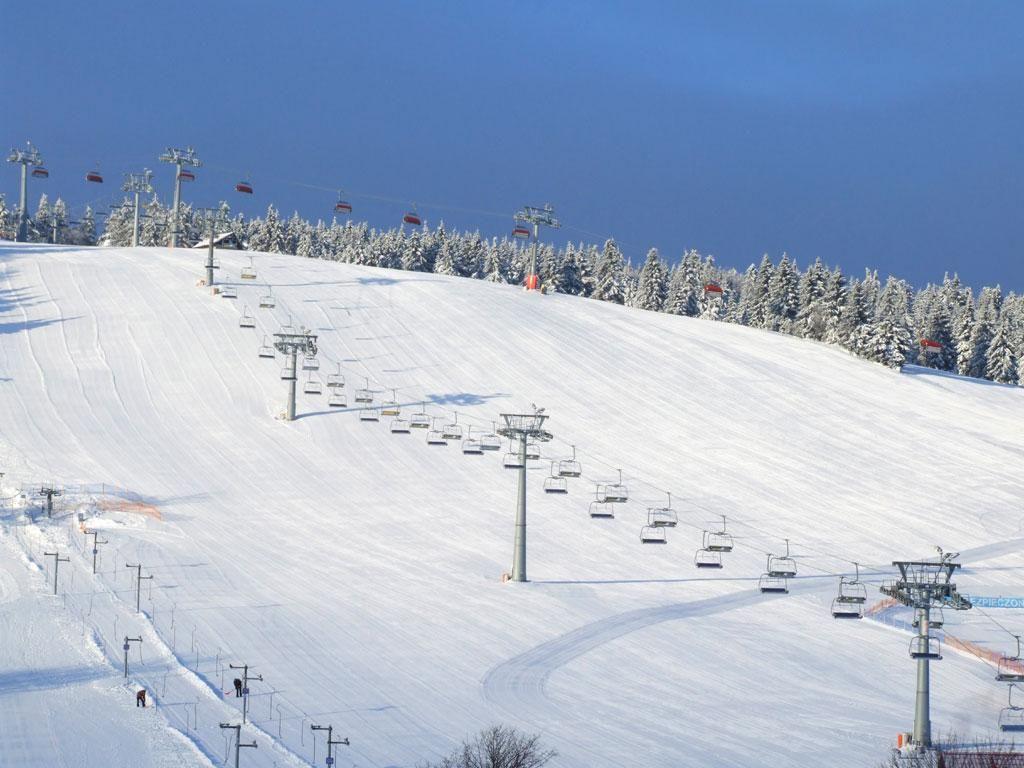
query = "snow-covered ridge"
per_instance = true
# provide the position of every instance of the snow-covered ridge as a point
(359, 570)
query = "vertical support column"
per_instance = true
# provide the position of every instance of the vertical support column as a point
(177, 199)
(533, 255)
(135, 222)
(922, 704)
(23, 206)
(209, 257)
(519, 556)
(290, 416)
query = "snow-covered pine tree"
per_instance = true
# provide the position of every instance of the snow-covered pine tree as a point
(40, 226)
(887, 338)
(1001, 359)
(784, 295)
(652, 287)
(153, 229)
(936, 325)
(985, 320)
(86, 231)
(811, 314)
(609, 277)
(760, 306)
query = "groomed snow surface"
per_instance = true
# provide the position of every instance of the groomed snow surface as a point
(359, 571)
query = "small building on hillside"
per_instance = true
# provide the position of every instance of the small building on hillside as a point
(228, 240)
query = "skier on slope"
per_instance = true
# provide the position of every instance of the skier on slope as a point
(140, 698)
(238, 687)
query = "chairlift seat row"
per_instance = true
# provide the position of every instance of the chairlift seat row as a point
(651, 535)
(769, 584)
(336, 400)
(846, 610)
(400, 427)
(369, 414)
(706, 558)
(602, 509)
(471, 447)
(556, 485)
(436, 437)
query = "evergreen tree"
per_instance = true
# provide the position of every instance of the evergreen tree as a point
(784, 296)
(984, 327)
(652, 285)
(1001, 359)
(887, 338)
(609, 277)
(40, 226)
(760, 305)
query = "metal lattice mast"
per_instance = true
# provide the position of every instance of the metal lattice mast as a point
(523, 427)
(923, 585)
(331, 742)
(137, 183)
(290, 345)
(238, 740)
(179, 158)
(25, 158)
(543, 216)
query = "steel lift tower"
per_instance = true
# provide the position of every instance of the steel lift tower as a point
(923, 585)
(25, 157)
(290, 345)
(523, 427)
(137, 183)
(180, 159)
(544, 216)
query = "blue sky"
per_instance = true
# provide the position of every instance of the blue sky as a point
(882, 134)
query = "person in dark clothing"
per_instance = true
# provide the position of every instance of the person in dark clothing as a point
(238, 687)
(140, 698)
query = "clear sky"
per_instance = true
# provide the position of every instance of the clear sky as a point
(884, 134)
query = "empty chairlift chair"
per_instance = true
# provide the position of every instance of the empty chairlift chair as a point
(651, 534)
(229, 292)
(310, 363)
(570, 467)
(849, 603)
(435, 436)
(556, 483)
(412, 217)
(94, 176)
(39, 172)
(471, 446)
(772, 584)
(400, 427)
(267, 300)
(613, 492)
(1011, 668)
(420, 419)
(512, 459)
(707, 558)
(364, 395)
(369, 414)
(453, 430)
(336, 398)
(662, 517)
(390, 407)
(266, 349)
(288, 373)
(719, 540)
(1011, 718)
(246, 320)
(782, 566)
(342, 206)
(249, 272)
(336, 380)
(602, 509)
(313, 385)
(532, 451)
(926, 647)
(491, 441)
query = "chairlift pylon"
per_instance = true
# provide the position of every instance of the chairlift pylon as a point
(570, 467)
(555, 483)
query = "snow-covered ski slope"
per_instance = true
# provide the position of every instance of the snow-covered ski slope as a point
(359, 571)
